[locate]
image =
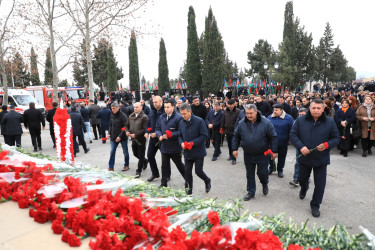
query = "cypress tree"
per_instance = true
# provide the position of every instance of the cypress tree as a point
(163, 79)
(193, 62)
(213, 56)
(48, 77)
(34, 72)
(324, 53)
(133, 63)
(111, 71)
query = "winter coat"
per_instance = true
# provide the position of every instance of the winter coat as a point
(2, 113)
(12, 123)
(146, 109)
(194, 130)
(287, 108)
(153, 118)
(229, 120)
(94, 110)
(213, 119)
(171, 145)
(85, 112)
(77, 123)
(349, 116)
(240, 116)
(362, 112)
(136, 125)
(116, 124)
(306, 132)
(104, 115)
(199, 111)
(265, 108)
(50, 115)
(255, 138)
(282, 125)
(32, 118)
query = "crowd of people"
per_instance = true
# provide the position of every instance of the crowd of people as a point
(184, 126)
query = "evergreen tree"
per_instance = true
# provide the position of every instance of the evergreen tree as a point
(338, 65)
(324, 52)
(111, 71)
(133, 63)
(48, 77)
(163, 78)
(64, 83)
(193, 62)
(213, 56)
(34, 72)
(20, 71)
(262, 52)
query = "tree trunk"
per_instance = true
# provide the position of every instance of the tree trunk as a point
(88, 54)
(4, 76)
(55, 72)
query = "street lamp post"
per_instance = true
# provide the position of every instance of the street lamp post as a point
(271, 70)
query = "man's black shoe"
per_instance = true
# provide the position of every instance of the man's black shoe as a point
(208, 185)
(265, 189)
(163, 185)
(229, 159)
(168, 179)
(280, 174)
(40, 148)
(153, 177)
(95, 139)
(54, 145)
(145, 162)
(214, 158)
(370, 152)
(364, 154)
(87, 150)
(35, 150)
(234, 162)
(137, 174)
(302, 194)
(248, 197)
(294, 183)
(315, 213)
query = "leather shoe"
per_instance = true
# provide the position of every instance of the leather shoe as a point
(369, 151)
(364, 154)
(302, 194)
(153, 177)
(229, 159)
(315, 213)
(87, 150)
(248, 197)
(163, 185)
(137, 174)
(214, 158)
(208, 185)
(145, 162)
(233, 162)
(280, 174)
(265, 189)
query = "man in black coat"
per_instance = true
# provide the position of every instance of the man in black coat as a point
(95, 122)
(77, 126)
(286, 107)
(198, 108)
(213, 122)
(12, 124)
(50, 115)
(263, 106)
(32, 119)
(228, 124)
(4, 110)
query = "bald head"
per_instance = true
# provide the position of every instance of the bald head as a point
(137, 107)
(158, 102)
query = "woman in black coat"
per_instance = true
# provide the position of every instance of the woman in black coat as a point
(345, 117)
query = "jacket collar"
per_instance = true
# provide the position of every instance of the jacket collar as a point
(259, 118)
(282, 116)
(322, 118)
(139, 115)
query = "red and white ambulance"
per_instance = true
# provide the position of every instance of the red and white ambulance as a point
(21, 98)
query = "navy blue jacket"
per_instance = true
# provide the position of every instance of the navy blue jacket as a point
(104, 115)
(153, 118)
(216, 119)
(240, 116)
(77, 123)
(282, 128)
(194, 131)
(171, 145)
(308, 133)
(349, 116)
(85, 112)
(255, 138)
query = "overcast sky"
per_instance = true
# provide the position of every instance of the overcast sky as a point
(243, 22)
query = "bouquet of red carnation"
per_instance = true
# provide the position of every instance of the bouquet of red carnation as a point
(326, 146)
(221, 131)
(188, 146)
(168, 133)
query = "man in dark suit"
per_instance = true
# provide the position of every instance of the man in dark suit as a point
(12, 124)
(213, 121)
(4, 110)
(77, 126)
(193, 130)
(50, 115)
(95, 122)
(32, 119)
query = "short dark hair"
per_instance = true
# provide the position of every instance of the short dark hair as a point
(91, 100)
(195, 97)
(317, 101)
(55, 104)
(302, 110)
(4, 107)
(280, 96)
(169, 101)
(32, 104)
(73, 108)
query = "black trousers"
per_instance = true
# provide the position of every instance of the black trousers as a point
(35, 138)
(252, 162)
(208, 140)
(14, 140)
(81, 142)
(229, 140)
(320, 177)
(198, 171)
(367, 143)
(94, 127)
(217, 141)
(103, 133)
(151, 153)
(139, 150)
(166, 166)
(52, 133)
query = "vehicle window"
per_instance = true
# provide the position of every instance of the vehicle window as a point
(24, 100)
(75, 94)
(11, 101)
(49, 94)
(38, 94)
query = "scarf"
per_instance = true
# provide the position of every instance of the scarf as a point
(345, 109)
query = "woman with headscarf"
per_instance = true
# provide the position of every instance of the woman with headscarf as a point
(366, 116)
(344, 118)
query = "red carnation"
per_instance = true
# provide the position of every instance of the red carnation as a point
(104, 139)
(221, 131)
(294, 247)
(149, 129)
(326, 145)
(213, 218)
(186, 144)
(123, 129)
(268, 152)
(65, 235)
(74, 241)
(169, 133)
(22, 203)
(41, 216)
(57, 227)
